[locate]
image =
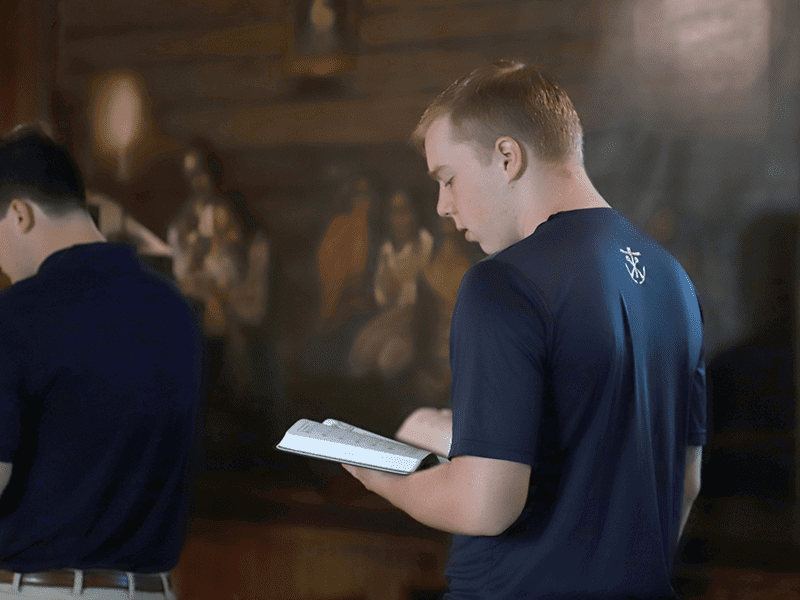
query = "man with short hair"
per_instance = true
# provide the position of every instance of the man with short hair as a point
(100, 368)
(578, 394)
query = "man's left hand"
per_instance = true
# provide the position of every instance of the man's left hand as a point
(374, 481)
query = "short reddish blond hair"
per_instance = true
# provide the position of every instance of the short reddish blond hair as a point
(508, 98)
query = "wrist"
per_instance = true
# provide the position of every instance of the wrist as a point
(381, 483)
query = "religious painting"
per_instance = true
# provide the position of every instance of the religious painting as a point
(337, 304)
(387, 272)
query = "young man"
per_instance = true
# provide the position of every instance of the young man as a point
(578, 395)
(100, 367)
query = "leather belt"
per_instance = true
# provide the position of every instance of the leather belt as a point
(92, 578)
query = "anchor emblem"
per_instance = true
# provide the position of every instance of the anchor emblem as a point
(631, 264)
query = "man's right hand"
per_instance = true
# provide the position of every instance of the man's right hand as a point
(428, 428)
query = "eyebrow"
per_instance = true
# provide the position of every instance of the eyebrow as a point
(435, 173)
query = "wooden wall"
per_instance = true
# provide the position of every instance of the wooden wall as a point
(689, 107)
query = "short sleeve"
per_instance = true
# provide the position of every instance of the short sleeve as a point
(9, 399)
(698, 400)
(697, 407)
(498, 345)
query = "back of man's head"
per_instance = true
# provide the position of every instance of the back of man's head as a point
(508, 98)
(36, 167)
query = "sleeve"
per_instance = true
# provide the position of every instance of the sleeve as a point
(10, 410)
(698, 401)
(498, 345)
(697, 435)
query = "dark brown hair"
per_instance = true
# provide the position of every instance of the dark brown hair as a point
(508, 98)
(33, 164)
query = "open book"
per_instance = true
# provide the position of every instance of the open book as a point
(343, 443)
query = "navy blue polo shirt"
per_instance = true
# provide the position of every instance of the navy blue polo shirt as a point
(100, 368)
(579, 351)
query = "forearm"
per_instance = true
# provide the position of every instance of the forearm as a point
(691, 484)
(435, 497)
(470, 495)
(686, 508)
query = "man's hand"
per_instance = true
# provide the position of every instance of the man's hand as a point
(371, 479)
(428, 428)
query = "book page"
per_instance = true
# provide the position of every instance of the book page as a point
(348, 427)
(343, 445)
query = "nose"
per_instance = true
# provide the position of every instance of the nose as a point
(443, 206)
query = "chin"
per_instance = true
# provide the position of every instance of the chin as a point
(488, 246)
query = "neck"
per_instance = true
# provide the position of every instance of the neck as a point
(558, 188)
(65, 232)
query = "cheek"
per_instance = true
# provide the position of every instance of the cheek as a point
(475, 201)
(480, 213)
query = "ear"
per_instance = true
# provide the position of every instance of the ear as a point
(513, 156)
(22, 214)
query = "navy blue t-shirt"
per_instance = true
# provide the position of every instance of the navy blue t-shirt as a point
(578, 351)
(100, 369)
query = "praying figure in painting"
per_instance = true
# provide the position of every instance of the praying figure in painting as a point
(222, 261)
(342, 260)
(213, 263)
(443, 275)
(205, 242)
(189, 234)
(386, 343)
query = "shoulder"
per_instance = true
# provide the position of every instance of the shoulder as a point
(485, 278)
(16, 298)
(492, 276)
(495, 288)
(170, 292)
(663, 265)
(144, 287)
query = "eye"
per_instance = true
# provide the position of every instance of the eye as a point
(448, 183)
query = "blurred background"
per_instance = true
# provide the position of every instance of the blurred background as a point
(256, 152)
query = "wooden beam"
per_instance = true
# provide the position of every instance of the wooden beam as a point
(384, 5)
(263, 39)
(365, 121)
(86, 19)
(150, 49)
(406, 25)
